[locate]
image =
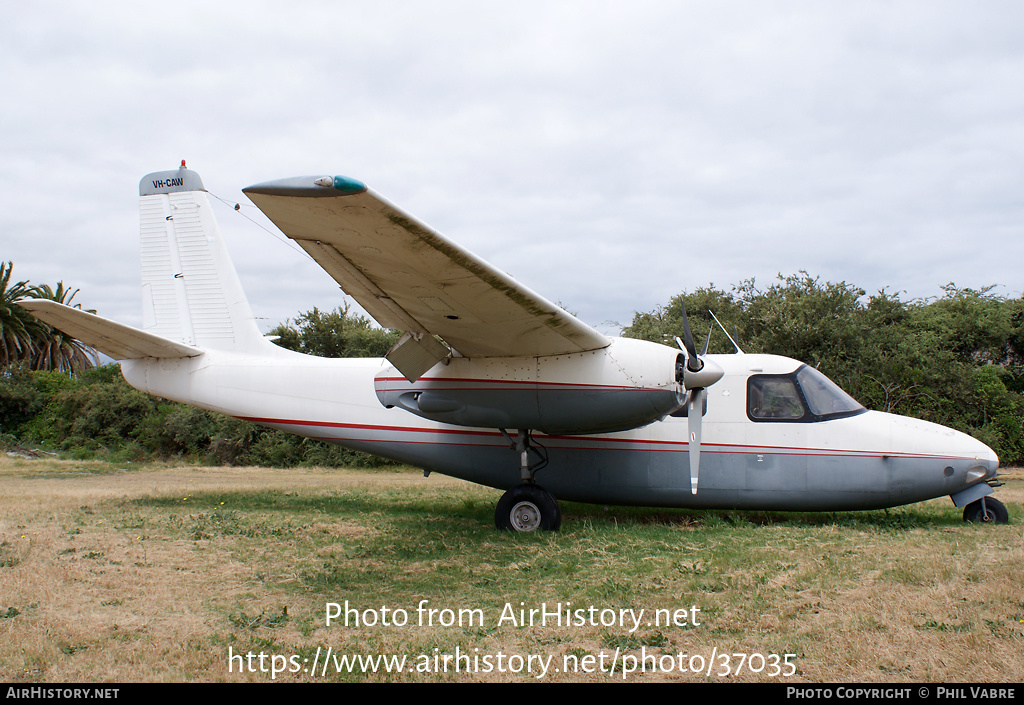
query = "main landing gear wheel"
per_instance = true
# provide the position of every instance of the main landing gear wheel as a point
(986, 510)
(527, 508)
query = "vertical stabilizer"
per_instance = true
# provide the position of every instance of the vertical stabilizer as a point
(190, 290)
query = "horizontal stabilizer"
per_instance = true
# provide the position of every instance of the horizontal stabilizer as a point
(117, 340)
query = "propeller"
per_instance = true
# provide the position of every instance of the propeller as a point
(698, 375)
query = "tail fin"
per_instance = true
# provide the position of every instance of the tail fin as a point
(190, 291)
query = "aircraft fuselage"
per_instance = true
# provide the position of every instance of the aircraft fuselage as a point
(863, 460)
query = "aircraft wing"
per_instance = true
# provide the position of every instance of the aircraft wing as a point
(409, 277)
(117, 340)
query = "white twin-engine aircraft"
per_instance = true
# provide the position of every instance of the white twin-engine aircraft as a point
(493, 384)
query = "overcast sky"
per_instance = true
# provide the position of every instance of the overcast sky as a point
(609, 155)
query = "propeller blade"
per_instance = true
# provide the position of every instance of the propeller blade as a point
(696, 378)
(694, 417)
(693, 362)
(698, 372)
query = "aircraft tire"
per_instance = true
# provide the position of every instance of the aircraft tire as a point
(992, 512)
(527, 508)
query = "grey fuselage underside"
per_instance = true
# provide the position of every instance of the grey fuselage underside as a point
(591, 469)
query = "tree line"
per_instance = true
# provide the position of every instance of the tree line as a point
(955, 359)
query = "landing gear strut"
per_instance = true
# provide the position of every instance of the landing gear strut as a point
(986, 510)
(528, 506)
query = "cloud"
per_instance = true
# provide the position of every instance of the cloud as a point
(608, 156)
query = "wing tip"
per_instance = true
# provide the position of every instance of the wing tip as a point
(308, 187)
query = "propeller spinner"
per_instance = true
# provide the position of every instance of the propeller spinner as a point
(698, 375)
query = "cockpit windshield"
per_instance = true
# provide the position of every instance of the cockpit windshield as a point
(824, 397)
(803, 396)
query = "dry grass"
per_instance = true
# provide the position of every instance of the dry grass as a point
(152, 574)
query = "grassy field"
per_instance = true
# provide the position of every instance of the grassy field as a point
(168, 573)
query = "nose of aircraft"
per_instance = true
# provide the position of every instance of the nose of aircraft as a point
(923, 439)
(985, 461)
(989, 459)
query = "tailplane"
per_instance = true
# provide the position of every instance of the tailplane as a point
(111, 338)
(191, 293)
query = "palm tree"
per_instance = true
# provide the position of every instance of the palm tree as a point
(18, 327)
(24, 338)
(55, 349)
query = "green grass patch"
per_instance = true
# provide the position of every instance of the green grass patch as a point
(253, 565)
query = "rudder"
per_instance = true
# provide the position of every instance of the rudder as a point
(190, 290)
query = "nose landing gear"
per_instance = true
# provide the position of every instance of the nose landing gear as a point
(986, 510)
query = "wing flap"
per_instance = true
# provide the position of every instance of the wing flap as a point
(117, 340)
(373, 300)
(408, 276)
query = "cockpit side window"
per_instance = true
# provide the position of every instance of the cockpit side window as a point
(774, 398)
(802, 396)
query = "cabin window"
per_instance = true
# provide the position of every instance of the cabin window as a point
(802, 396)
(774, 398)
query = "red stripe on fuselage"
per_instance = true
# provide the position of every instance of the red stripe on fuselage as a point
(705, 447)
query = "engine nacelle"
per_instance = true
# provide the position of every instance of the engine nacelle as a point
(628, 384)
